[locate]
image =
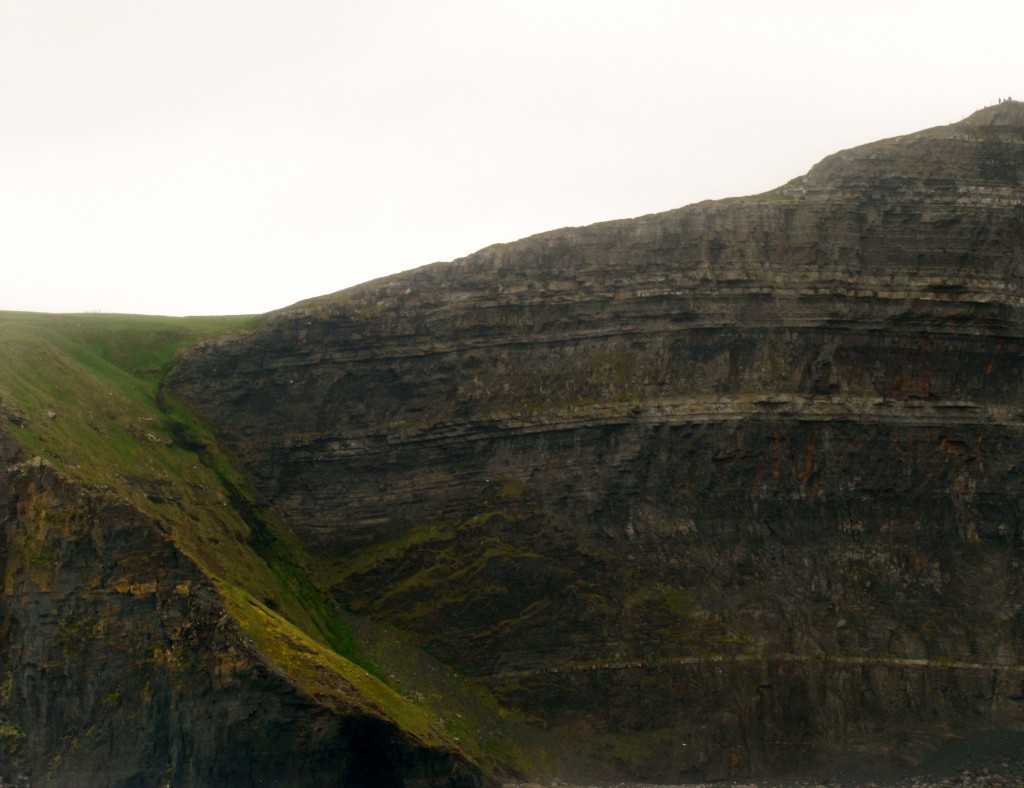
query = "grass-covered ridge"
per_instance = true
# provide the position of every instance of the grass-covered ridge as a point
(83, 392)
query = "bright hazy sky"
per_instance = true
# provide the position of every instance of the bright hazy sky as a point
(231, 156)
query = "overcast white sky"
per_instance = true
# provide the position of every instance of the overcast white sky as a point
(233, 156)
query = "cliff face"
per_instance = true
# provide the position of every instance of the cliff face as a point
(124, 667)
(726, 490)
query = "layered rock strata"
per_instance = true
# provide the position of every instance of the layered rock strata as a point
(727, 490)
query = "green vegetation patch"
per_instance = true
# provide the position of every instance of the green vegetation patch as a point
(8, 730)
(317, 669)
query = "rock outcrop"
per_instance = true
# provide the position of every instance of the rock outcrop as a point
(124, 667)
(733, 489)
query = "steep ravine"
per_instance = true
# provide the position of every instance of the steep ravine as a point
(155, 626)
(730, 490)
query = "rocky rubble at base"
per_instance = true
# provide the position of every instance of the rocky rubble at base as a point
(989, 759)
(1010, 775)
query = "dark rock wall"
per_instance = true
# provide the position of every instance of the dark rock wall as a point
(121, 665)
(744, 476)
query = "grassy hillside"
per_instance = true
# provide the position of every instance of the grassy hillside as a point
(83, 393)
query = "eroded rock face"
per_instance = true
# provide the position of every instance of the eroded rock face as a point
(721, 491)
(121, 665)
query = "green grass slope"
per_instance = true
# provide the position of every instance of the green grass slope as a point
(83, 392)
